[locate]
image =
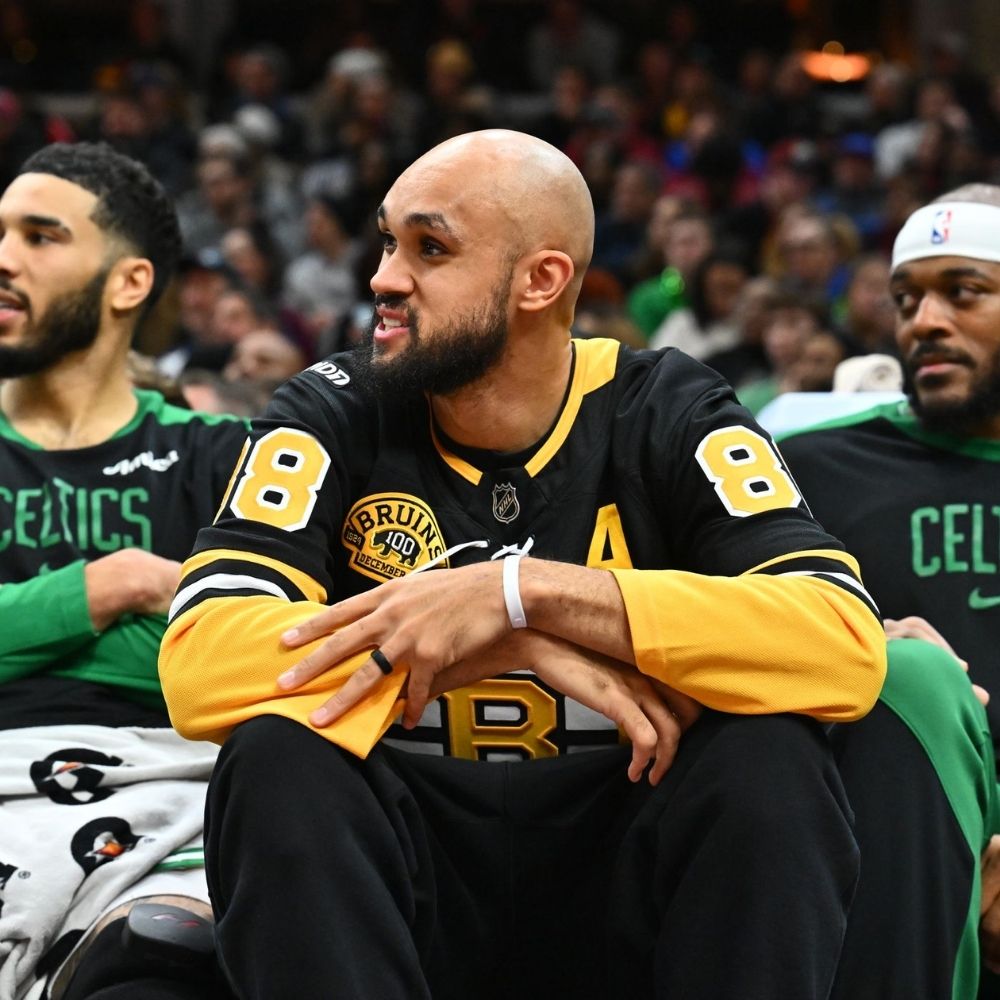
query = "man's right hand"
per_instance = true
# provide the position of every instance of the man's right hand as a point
(130, 580)
(652, 715)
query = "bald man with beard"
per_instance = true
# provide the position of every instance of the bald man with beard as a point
(469, 588)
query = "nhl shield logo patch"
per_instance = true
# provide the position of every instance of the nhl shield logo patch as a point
(505, 505)
(390, 534)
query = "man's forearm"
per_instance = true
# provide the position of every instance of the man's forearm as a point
(582, 605)
(43, 619)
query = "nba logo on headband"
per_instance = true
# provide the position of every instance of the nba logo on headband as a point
(941, 226)
(950, 228)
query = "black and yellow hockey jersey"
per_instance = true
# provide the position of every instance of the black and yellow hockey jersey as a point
(652, 470)
(921, 512)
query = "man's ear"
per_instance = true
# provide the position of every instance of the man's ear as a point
(129, 283)
(546, 275)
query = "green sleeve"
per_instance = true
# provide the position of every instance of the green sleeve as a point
(123, 656)
(43, 620)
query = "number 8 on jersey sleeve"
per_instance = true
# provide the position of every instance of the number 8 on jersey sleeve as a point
(745, 471)
(282, 479)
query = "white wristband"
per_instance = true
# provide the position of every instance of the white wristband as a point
(512, 590)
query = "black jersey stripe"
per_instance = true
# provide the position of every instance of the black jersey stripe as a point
(846, 581)
(229, 577)
(806, 563)
(235, 566)
(221, 585)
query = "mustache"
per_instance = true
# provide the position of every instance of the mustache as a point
(6, 286)
(390, 301)
(924, 351)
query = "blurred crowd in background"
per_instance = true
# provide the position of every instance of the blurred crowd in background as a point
(745, 207)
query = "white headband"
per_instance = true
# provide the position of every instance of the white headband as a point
(949, 229)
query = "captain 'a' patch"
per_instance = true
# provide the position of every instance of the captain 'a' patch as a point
(390, 534)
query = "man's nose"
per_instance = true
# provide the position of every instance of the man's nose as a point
(393, 277)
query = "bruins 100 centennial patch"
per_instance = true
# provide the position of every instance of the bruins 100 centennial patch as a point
(390, 534)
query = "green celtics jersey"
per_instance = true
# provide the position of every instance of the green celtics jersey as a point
(150, 486)
(921, 512)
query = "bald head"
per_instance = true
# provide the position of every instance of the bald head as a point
(531, 192)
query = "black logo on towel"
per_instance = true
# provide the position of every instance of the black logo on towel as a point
(66, 777)
(101, 841)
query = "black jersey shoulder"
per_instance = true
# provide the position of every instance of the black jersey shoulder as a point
(328, 400)
(672, 376)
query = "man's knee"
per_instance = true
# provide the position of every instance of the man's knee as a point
(769, 778)
(265, 742)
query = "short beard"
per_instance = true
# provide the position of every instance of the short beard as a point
(457, 355)
(71, 323)
(961, 417)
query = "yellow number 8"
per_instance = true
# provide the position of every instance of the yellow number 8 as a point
(745, 471)
(282, 479)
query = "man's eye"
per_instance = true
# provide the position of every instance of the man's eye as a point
(905, 301)
(35, 239)
(431, 248)
(388, 242)
(964, 293)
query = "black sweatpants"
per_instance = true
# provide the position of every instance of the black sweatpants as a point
(404, 877)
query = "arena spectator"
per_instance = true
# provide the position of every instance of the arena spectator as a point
(260, 76)
(621, 229)
(22, 131)
(455, 101)
(896, 145)
(322, 283)
(748, 362)
(201, 280)
(789, 323)
(681, 235)
(809, 256)
(570, 34)
(223, 199)
(854, 190)
(263, 355)
(565, 106)
(814, 368)
(709, 324)
(254, 256)
(868, 317)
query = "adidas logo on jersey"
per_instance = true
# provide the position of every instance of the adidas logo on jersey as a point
(331, 372)
(145, 460)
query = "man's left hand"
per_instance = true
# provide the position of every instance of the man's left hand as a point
(425, 622)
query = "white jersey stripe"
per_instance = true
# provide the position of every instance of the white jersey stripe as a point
(842, 577)
(223, 581)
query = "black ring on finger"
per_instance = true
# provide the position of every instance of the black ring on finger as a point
(381, 661)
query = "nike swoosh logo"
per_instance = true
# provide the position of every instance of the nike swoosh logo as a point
(978, 602)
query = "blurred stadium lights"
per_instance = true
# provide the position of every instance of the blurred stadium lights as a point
(832, 64)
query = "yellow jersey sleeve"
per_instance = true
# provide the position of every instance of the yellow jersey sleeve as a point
(219, 665)
(762, 642)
